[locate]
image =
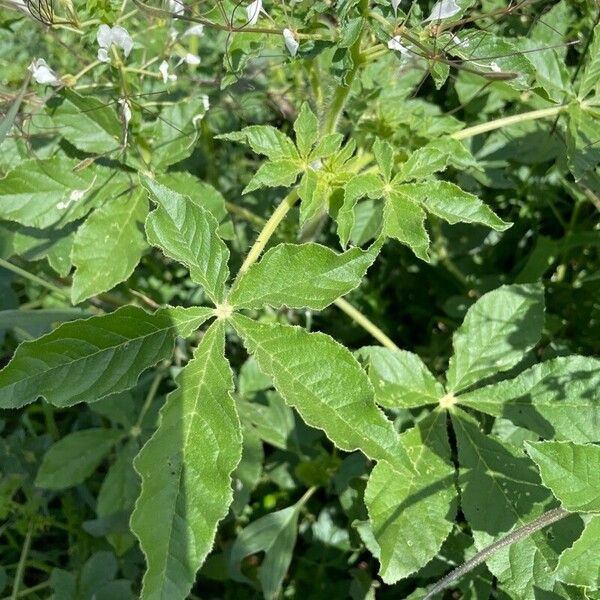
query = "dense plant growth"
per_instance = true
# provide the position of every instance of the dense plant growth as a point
(191, 408)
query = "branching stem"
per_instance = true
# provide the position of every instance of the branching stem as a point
(546, 519)
(505, 121)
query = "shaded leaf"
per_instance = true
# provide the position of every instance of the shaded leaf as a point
(413, 513)
(75, 457)
(556, 399)
(496, 333)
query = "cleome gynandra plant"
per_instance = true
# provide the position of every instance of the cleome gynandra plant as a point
(191, 408)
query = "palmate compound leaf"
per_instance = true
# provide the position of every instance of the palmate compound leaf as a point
(496, 333)
(109, 245)
(326, 385)
(302, 276)
(501, 491)
(412, 513)
(186, 232)
(186, 472)
(84, 361)
(557, 399)
(571, 471)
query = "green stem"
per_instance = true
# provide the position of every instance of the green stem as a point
(506, 121)
(22, 562)
(268, 230)
(34, 278)
(32, 590)
(137, 428)
(546, 519)
(365, 323)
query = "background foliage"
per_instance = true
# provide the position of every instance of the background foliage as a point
(435, 164)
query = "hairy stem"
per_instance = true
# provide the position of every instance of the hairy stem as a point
(365, 323)
(505, 121)
(546, 519)
(268, 230)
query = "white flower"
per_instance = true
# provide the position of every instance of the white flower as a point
(205, 102)
(395, 5)
(173, 33)
(164, 71)
(290, 42)
(443, 9)
(197, 30)
(191, 59)
(495, 67)
(253, 10)
(394, 44)
(109, 36)
(176, 7)
(42, 73)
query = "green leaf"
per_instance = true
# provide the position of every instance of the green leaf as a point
(108, 246)
(264, 139)
(313, 191)
(501, 491)
(176, 132)
(496, 333)
(326, 385)
(364, 184)
(571, 471)
(187, 233)
(40, 193)
(118, 494)
(75, 457)
(401, 379)
(432, 158)
(274, 174)
(499, 483)
(583, 149)
(384, 155)
(11, 114)
(591, 74)
(413, 513)
(84, 361)
(306, 127)
(326, 146)
(302, 276)
(449, 202)
(275, 535)
(87, 122)
(186, 469)
(404, 220)
(556, 399)
(579, 565)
